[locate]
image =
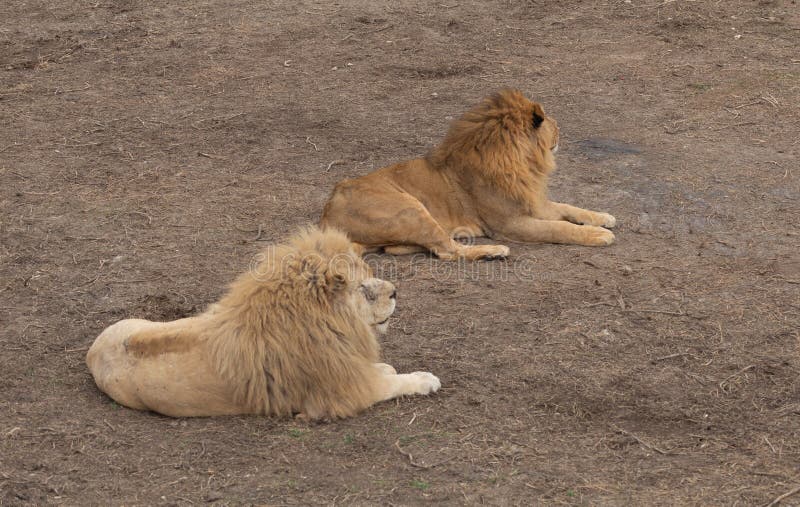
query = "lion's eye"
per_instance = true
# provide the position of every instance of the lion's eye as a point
(368, 293)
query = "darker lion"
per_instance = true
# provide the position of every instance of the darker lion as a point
(487, 178)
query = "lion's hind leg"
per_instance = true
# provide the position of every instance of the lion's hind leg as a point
(399, 223)
(414, 226)
(403, 249)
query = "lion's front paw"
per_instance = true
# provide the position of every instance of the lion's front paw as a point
(597, 236)
(606, 220)
(426, 383)
(496, 252)
(480, 252)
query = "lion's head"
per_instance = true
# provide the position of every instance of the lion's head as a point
(323, 269)
(306, 311)
(507, 140)
(376, 300)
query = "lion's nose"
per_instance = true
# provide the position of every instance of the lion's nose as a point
(394, 294)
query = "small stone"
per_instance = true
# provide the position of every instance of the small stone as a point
(627, 270)
(213, 496)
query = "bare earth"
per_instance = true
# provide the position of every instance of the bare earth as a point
(148, 152)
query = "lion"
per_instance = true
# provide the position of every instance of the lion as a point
(488, 178)
(295, 335)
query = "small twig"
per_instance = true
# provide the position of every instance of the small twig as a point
(208, 155)
(239, 228)
(335, 162)
(42, 193)
(258, 236)
(10, 146)
(412, 419)
(783, 497)
(721, 384)
(748, 104)
(79, 349)
(743, 124)
(677, 354)
(84, 145)
(642, 442)
(769, 99)
(215, 118)
(148, 217)
(89, 282)
(784, 279)
(175, 482)
(308, 140)
(601, 303)
(59, 92)
(635, 310)
(379, 29)
(409, 456)
(110, 425)
(770, 445)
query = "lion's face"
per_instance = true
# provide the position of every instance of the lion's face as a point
(545, 129)
(375, 300)
(550, 131)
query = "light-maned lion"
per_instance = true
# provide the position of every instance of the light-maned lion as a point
(487, 178)
(294, 335)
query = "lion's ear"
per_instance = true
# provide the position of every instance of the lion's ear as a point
(338, 282)
(538, 115)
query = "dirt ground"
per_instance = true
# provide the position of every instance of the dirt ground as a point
(148, 152)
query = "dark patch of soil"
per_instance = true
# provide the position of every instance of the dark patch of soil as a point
(148, 150)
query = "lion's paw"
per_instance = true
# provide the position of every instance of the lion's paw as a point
(597, 236)
(426, 382)
(607, 221)
(496, 252)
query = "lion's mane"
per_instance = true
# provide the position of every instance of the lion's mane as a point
(285, 333)
(497, 142)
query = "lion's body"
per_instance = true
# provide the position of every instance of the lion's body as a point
(487, 178)
(295, 336)
(176, 383)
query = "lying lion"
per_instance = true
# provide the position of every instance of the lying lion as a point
(487, 178)
(294, 335)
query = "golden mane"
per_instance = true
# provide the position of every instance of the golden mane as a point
(497, 141)
(267, 330)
